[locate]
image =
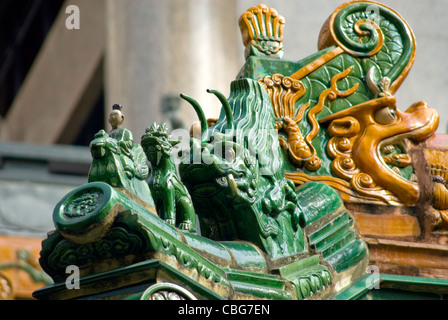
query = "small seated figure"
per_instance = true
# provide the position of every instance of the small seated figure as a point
(119, 133)
(117, 160)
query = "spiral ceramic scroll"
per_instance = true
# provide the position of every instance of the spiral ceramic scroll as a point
(375, 33)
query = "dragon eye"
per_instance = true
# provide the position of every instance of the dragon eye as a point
(385, 116)
(229, 154)
(222, 181)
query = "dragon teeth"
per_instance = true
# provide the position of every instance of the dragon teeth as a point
(396, 170)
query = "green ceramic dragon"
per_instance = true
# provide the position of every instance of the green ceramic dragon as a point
(240, 175)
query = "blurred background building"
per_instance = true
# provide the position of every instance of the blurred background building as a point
(59, 77)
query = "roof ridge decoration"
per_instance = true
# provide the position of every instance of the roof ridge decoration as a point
(373, 47)
(268, 180)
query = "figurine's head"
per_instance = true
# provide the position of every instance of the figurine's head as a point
(157, 143)
(116, 117)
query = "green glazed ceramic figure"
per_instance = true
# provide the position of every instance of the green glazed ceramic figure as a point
(171, 198)
(119, 161)
(240, 174)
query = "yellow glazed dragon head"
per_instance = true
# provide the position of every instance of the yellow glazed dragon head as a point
(372, 141)
(336, 113)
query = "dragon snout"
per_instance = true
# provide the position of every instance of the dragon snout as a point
(98, 150)
(421, 118)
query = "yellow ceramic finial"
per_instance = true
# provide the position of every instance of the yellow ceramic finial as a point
(262, 31)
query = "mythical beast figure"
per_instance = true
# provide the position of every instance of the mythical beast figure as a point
(236, 169)
(236, 179)
(171, 198)
(339, 123)
(335, 111)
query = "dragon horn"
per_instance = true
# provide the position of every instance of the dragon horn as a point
(226, 106)
(199, 112)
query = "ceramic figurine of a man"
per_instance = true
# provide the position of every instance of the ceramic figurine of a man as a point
(119, 133)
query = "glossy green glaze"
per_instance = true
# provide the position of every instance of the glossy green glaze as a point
(120, 163)
(395, 287)
(172, 200)
(241, 166)
(249, 189)
(98, 223)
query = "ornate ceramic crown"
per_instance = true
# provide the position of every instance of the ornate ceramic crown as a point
(157, 131)
(262, 29)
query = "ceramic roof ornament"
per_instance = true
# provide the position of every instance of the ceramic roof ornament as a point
(269, 180)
